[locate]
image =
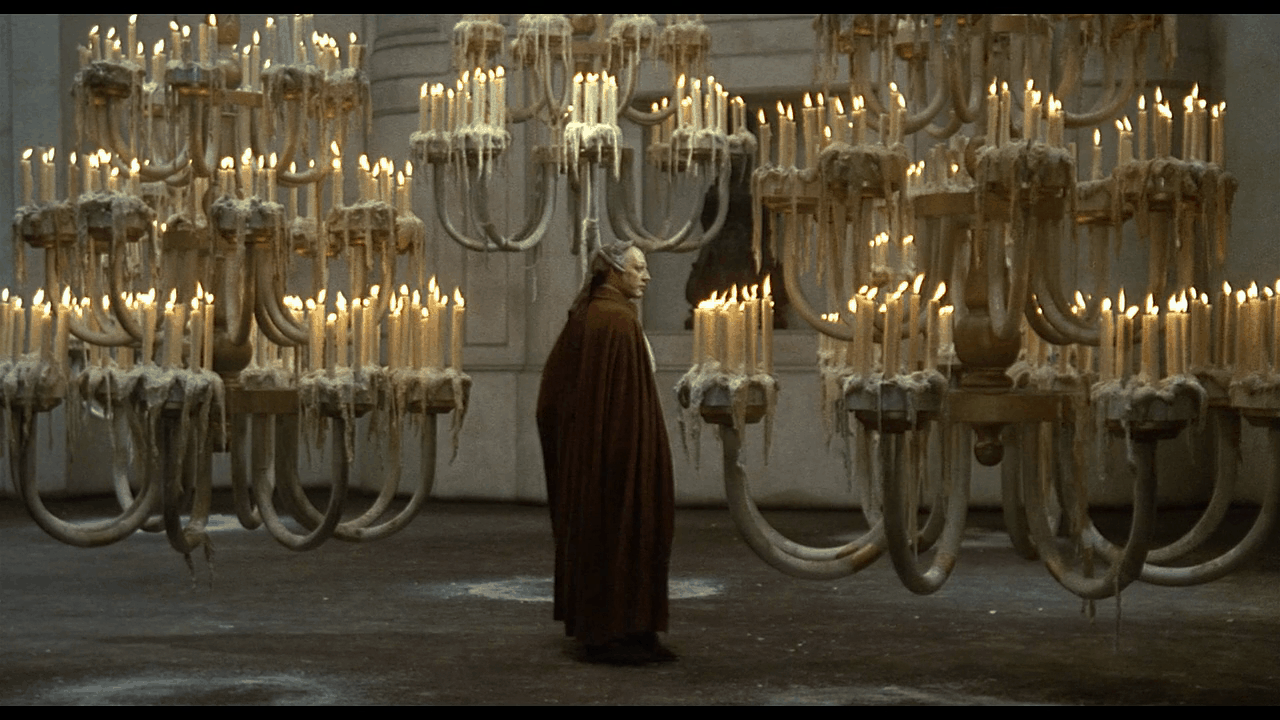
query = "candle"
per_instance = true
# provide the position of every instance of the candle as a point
(1142, 127)
(766, 326)
(1218, 147)
(340, 332)
(337, 180)
(913, 317)
(456, 330)
(1106, 357)
(765, 134)
(1006, 107)
(174, 325)
(27, 178)
(1095, 164)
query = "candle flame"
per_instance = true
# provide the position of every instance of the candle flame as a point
(458, 300)
(38, 297)
(1106, 304)
(1131, 312)
(940, 292)
(919, 281)
(768, 286)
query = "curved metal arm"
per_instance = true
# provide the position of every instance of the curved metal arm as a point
(914, 123)
(270, 304)
(126, 319)
(537, 219)
(115, 337)
(1128, 564)
(896, 508)
(1109, 107)
(362, 528)
(203, 159)
(795, 292)
(627, 225)
(965, 107)
(642, 117)
(1223, 564)
(22, 467)
(1004, 321)
(1041, 326)
(181, 464)
(1055, 314)
(241, 492)
(269, 460)
(761, 538)
(442, 212)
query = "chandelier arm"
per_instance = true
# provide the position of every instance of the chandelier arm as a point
(241, 493)
(290, 147)
(347, 531)
(953, 125)
(109, 338)
(1225, 429)
(269, 304)
(156, 173)
(203, 159)
(1004, 319)
(967, 113)
(120, 471)
(1223, 564)
(914, 123)
(763, 539)
(1071, 66)
(1128, 564)
(860, 84)
(1112, 104)
(642, 117)
(184, 463)
(1016, 456)
(1057, 313)
(897, 536)
(536, 220)
(722, 208)
(626, 224)
(1040, 326)
(126, 319)
(795, 292)
(362, 529)
(111, 134)
(442, 212)
(22, 468)
(268, 461)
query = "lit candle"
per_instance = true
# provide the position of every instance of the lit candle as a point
(1142, 127)
(1006, 107)
(28, 180)
(1095, 164)
(340, 332)
(456, 330)
(766, 326)
(148, 326)
(1107, 344)
(315, 314)
(766, 136)
(993, 114)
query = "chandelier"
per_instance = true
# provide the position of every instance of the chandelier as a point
(934, 197)
(209, 284)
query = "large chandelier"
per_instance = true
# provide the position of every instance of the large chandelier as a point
(934, 197)
(210, 285)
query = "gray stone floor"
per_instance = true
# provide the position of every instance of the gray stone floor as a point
(456, 609)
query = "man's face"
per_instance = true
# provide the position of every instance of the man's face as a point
(633, 278)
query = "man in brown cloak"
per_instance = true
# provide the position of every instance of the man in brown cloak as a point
(608, 466)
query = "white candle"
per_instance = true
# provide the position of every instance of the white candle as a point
(456, 330)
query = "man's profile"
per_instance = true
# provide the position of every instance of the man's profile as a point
(608, 467)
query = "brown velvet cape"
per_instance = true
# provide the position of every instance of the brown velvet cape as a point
(609, 478)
